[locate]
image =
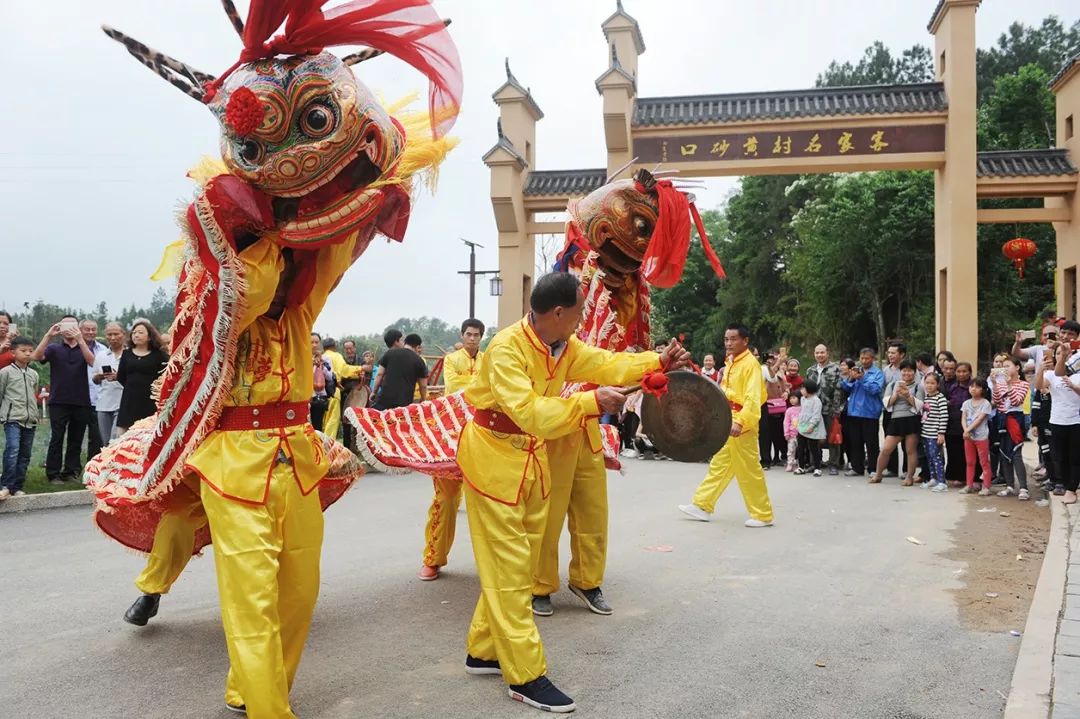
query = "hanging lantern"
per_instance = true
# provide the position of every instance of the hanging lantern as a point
(1018, 250)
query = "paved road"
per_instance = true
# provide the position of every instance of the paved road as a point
(730, 623)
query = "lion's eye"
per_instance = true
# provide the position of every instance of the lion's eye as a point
(252, 152)
(643, 226)
(317, 120)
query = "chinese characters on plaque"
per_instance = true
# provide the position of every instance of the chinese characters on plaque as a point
(834, 142)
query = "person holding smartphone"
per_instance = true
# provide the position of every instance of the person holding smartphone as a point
(8, 332)
(104, 376)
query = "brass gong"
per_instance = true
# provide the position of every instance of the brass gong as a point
(691, 422)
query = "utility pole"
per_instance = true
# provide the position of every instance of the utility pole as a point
(472, 272)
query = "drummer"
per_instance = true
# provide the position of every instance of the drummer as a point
(459, 371)
(745, 389)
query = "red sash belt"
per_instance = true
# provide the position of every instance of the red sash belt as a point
(736, 407)
(264, 416)
(496, 421)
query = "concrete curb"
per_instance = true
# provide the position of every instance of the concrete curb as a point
(1030, 692)
(47, 500)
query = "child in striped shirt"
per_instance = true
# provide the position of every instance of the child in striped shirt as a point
(1010, 392)
(935, 417)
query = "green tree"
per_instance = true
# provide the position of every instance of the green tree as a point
(1048, 46)
(878, 66)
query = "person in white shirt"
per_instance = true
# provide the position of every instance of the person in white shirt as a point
(1064, 417)
(103, 380)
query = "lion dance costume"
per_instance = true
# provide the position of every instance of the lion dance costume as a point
(313, 168)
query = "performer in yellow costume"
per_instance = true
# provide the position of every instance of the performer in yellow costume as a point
(579, 497)
(342, 370)
(460, 368)
(502, 454)
(314, 168)
(745, 389)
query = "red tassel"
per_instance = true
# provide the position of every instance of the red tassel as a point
(670, 244)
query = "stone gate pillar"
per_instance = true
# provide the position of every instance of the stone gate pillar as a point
(510, 160)
(955, 229)
(1066, 89)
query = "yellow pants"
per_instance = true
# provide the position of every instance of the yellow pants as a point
(332, 418)
(506, 543)
(578, 491)
(173, 539)
(739, 458)
(267, 562)
(442, 521)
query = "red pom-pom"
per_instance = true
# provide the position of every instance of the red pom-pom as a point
(244, 113)
(655, 383)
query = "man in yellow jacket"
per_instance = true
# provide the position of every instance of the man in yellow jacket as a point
(744, 386)
(460, 368)
(342, 371)
(503, 458)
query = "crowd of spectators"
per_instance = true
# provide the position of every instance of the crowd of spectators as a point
(928, 420)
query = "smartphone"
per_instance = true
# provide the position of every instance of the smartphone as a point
(13, 331)
(106, 369)
(1027, 334)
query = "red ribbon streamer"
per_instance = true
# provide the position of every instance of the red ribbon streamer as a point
(666, 256)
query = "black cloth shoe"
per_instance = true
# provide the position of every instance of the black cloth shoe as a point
(481, 666)
(543, 695)
(594, 600)
(541, 606)
(242, 709)
(142, 610)
(1059, 490)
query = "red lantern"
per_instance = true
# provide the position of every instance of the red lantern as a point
(1019, 250)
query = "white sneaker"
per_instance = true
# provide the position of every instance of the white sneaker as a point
(967, 490)
(629, 453)
(756, 523)
(4, 493)
(984, 492)
(1006, 492)
(695, 512)
(1023, 495)
(817, 472)
(940, 487)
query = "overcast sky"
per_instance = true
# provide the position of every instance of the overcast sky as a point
(92, 170)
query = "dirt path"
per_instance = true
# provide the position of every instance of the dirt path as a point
(990, 543)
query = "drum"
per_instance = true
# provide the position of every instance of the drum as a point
(689, 423)
(360, 396)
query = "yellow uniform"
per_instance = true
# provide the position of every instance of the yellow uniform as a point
(507, 477)
(342, 370)
(258, 492)
(459, 371)
(745, 389)
(578, 495)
